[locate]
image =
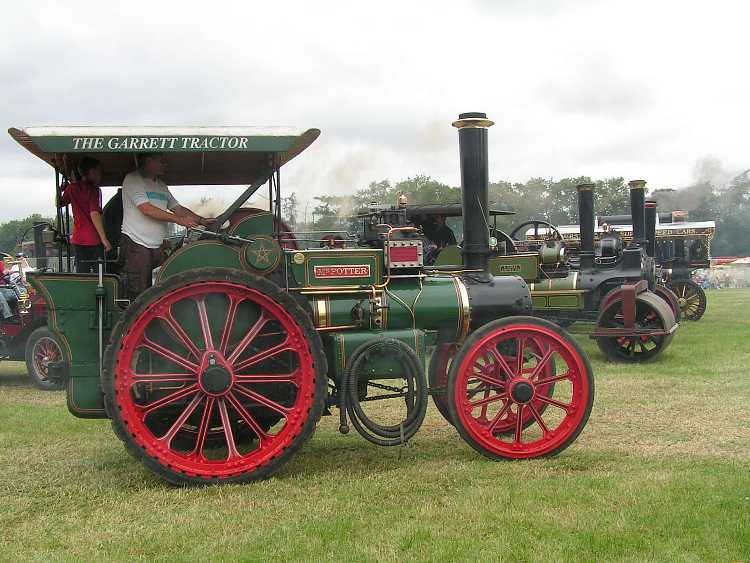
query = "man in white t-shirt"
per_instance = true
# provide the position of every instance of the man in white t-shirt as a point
(147, 207)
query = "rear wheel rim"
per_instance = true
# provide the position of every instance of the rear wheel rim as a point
(46, 350)
(519, 385)
(225, 370)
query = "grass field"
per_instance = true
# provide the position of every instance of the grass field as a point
(662, 472)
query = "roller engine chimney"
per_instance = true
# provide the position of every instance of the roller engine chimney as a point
(586, 224)
(637, 210)
(651, 228)
(472, 141)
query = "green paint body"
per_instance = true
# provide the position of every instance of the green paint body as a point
(546, 292)
(340, 346)
(71, 300)
(164, 143)
(415, 310)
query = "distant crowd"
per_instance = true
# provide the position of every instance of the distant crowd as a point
(724, 278)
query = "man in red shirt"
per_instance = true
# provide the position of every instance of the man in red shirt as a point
(89, 239)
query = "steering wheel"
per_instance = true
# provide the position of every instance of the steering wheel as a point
(536, 223)
(501, 236)
(510, 245)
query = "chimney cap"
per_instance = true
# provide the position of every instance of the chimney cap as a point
(637, 184)
(650, 203)
(473, 119)
(585, 187)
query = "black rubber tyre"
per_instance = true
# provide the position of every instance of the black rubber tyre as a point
(691, 298)
(41, 346)
(438, 377)
(193, 277)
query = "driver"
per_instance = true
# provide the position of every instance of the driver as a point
(441, 234)
(147, 207)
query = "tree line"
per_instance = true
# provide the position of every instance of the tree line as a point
(555, 201)
(538, 198)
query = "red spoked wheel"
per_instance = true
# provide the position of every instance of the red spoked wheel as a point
(214, 376)
(525, 371)
(42, 348)
(443, 357)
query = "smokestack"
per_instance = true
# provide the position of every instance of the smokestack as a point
(586, 224)
(651, 227)
(637, 210)
(472, 141)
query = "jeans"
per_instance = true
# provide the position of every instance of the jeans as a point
(6, 294)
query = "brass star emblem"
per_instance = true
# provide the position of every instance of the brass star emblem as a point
(262, 255)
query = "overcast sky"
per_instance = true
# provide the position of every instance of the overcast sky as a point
(601, 88)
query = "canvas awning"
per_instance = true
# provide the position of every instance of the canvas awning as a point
(195, 155)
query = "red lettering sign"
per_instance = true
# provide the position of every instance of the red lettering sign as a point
(342, 271)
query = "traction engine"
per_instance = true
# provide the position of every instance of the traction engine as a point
(221, 371)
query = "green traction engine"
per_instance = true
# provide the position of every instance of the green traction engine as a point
(221, 371)
(616, 288)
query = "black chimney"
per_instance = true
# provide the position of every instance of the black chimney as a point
(637, 210)
(651, 228)
(472, 141)
(586, 224)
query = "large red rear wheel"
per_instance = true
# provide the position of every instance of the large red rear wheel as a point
(214, 376)
(499, 375)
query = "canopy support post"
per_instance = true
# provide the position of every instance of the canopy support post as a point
(247, 194)
(277, 200)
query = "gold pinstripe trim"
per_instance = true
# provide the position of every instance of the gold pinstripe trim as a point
(464, 308)
(343, 353)
(250, 216)
(182, 250)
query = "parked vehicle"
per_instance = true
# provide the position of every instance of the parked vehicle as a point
(221, 370)
(24, 335)
(615, 287)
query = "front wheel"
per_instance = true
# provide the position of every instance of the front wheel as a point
(42, 348)
(509, 370)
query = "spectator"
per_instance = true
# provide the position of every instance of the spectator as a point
(89, 240)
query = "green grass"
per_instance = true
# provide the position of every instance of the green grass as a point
(662, 472)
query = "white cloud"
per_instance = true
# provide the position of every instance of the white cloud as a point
(640, 89)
